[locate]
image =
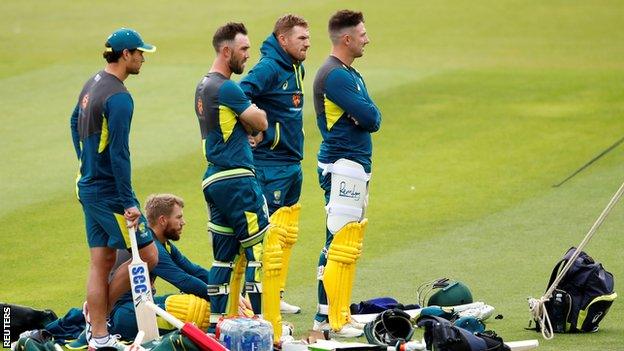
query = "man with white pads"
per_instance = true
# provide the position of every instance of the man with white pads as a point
(346, 117)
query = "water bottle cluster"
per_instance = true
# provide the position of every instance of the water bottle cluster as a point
(245, 334)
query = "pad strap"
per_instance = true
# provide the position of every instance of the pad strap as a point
(253, 288)
(343, 210)
(221, 289)
(254, 264)
(223, 264)
(345, 171)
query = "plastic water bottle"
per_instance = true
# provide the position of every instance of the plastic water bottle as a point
(246, 334)
(558, 319)
(257, 336)
(224, 332)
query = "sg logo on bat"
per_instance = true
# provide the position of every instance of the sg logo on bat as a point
(139, 279)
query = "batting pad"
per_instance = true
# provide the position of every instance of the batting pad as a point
(287, 218)
(345, 249)
(271, 270)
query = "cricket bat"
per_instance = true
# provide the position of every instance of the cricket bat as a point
(369, 317)
(204, 341)
(522, 345)
(141, 291)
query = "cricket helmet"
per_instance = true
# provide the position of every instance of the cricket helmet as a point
(443, 292)
(389, 327)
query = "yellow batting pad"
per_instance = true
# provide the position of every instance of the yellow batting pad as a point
(292, 234)
(345, 249)
(280, 218)
(236, 284)
(271, 270)
(189, 308)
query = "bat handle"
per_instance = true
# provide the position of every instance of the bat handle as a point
(133, 241)
(138, 340)
(164, 314)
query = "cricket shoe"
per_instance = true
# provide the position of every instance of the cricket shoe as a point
(347, 330)
(288, 329)
(356, 325)
(481, 311)
(109, 342)
(287, 308)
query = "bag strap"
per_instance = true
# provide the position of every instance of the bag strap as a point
(555, 271)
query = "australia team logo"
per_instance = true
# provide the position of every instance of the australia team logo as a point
(141, 229)
(277, 195)
(200, 106)
(296, 98)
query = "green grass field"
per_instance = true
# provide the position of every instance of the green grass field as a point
(486, 104)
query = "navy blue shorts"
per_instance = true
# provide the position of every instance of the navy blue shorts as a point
(238, 214)
(106, 225)
(281, 185)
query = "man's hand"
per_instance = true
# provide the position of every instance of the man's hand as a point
(354, 120)
(244, 307)
(132, 215)
(255, 140)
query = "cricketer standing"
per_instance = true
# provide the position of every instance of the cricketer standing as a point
(238, 216)
(275, 84)
(100, 128)
(346, 117)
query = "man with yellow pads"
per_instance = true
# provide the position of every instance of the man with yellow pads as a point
(275, 85)
(346, 117)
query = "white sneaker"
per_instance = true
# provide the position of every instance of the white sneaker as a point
(347, 330)
(288, 329)
(111, 341)
(287, 308)
(356, 325)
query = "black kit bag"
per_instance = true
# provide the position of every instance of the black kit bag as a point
(23, 318)
(583, 296)
(441, 335)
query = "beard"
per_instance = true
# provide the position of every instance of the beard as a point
(172, 234)
(236, 66)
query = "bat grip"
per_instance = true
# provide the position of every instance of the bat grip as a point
(133, 241)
